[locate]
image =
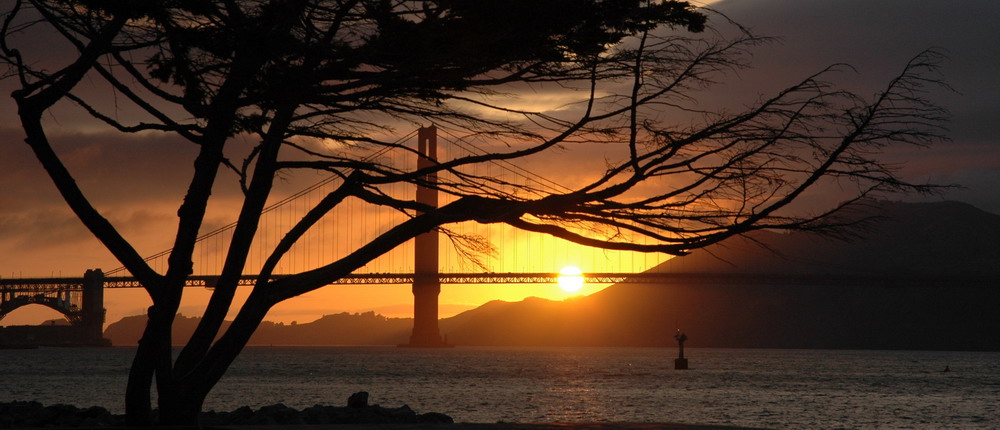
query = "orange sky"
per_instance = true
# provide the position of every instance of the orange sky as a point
(516, 252)
(137, 184)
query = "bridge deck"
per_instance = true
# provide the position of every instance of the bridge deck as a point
(62, 284)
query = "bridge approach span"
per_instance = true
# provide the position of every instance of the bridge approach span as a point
(62, 284)
(81, 300)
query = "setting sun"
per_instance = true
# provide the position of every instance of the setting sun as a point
(571, 279)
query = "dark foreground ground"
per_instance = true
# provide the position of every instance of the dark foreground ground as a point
(452, 426)
(358, 415)
(496, 426)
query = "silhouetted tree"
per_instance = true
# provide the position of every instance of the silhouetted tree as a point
(283, 72)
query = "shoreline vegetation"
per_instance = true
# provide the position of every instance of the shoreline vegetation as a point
(951, 312)
(31, 414)
(356, 415)
(953, 244)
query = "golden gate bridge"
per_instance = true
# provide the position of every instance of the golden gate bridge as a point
(517, 257)
(520, 258)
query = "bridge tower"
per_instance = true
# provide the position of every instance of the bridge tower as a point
(92, 314)
(81, 301)
(426, 280)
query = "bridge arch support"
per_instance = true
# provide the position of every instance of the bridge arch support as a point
(81, 302)
(60, 302)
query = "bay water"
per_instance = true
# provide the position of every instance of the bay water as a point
(746, 387)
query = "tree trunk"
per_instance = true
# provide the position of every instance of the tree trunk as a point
(209, 371)
(138, 408)
(179, 409)
(155, 342)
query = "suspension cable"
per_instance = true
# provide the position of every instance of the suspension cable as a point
(507, 165)
(273, 206)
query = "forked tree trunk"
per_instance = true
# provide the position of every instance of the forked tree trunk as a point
(138, 407)
(154, 347)
(177, 406)
(182, 397)
(178, 409)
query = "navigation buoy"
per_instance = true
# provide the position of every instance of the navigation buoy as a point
(680, 363)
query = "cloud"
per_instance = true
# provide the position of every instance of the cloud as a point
(41, 229)
(139, 180)
(978, 187)
(877, 38)
(556, 101)
(110, 167)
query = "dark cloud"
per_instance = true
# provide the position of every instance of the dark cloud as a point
(138, 180)
(877, 38)
(135, 181)
(111, 167)
(42, 229)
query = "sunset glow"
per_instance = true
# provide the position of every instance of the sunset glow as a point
(571, 279)
(584, 214)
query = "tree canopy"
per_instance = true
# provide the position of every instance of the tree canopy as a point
(282, 73)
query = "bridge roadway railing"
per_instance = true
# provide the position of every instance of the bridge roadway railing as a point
(41, 285)
(408, 278)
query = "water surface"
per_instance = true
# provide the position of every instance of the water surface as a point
(762, 388)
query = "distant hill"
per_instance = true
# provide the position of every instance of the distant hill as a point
(899, 239)
(945, 240)
(338, 329)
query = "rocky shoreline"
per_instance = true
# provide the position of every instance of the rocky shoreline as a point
(29, 414)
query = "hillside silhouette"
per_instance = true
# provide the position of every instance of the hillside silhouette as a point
(365, 328)
(953, 243)
(943, 239)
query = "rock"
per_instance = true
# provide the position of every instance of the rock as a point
(95, 416)
(358, 400)
(241, 415)
(33, 414)
(358, 411)
(434, 418)
(319, 414)
(276, 414)
(402, 414)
